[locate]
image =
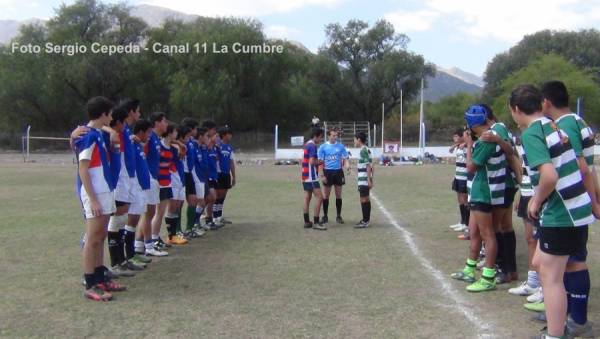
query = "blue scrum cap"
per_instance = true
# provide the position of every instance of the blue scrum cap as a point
(476, 115)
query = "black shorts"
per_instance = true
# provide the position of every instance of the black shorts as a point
(334, 177)
(522, 208)
(224, 181)
(190, 187)
(212, 184)
(363, 191)
(509, 196)
(166, 193)
(459, 186)
(480, 207)
(121, 203)
(571, 241)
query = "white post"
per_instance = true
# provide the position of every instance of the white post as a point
(369, 134)
(401, 113)
(374, 135)
(421, 123)
(276, 139)
(28, 135)
(382, 125)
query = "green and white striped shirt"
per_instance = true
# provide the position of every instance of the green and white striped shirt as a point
(364, 160)
(569, 205)
(461, 164)
(504, 133)
(580, 136)
(526, 187)
(489, 181)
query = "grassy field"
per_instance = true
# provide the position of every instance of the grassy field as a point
(264, 276)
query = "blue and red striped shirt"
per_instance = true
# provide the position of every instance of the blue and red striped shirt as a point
(309, 172)
(164, 166)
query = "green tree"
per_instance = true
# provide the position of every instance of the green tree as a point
(581, 48)
(374, 66)
(553, 67)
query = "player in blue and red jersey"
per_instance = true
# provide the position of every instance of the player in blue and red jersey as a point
(152, 148)
(173, 218)
(310, 179)
(166, 162)
(95, 186)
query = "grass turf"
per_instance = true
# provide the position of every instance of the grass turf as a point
(264, 276)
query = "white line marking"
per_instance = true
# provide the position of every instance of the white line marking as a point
(483, 327)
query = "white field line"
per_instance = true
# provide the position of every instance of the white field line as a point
(485, 329)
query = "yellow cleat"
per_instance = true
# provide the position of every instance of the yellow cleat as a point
(178, 240)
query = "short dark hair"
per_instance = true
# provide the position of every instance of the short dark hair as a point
(331, 130)
(156, 117)
(459, 132)
(556, 92)
(182, 130)
(209, 124)
(527, 97)
(119, 115)
(362, 136)
(201, 131)
(316, 132)
(141, 125)
(190, 122)
(170, 128)
(129, 104)
(223, 131)
(97, 106)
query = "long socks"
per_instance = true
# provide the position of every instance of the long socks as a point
(577, 285)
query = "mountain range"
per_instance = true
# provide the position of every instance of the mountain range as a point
(446, 82)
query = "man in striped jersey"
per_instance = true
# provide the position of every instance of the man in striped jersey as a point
(486, 164)
(506, 257)
(310, 179)
(555, 105)
(364, 178)
(459, 184)
(166, 161)
(560, 201)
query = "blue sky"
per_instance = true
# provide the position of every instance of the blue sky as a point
(451, 33)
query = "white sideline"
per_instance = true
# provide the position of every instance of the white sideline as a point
(484, 328)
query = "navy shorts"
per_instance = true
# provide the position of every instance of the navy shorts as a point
(311, 186)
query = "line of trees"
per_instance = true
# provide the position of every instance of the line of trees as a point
(357, 69)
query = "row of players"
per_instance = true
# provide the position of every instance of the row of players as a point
(552, 166)
(132, 174)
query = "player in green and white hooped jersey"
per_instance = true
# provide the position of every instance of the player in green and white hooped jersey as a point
(364, 178)
(506, 258)
(459, 183)
(555, 105)
(560, 201)
(486, 166)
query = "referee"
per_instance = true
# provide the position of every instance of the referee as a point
(334, 157)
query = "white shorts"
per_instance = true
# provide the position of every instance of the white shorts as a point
(123, 191)
(200, 186)
(138, 205)
(177, 187)
(106, 200)
(153, 194)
